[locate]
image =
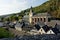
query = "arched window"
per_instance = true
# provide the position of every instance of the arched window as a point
(38, 19)
(35, 19)
(41, 19)
(44, 20)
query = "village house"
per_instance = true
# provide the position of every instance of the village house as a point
(18, 26)
(42, 31)
(1, 24)
(50, 32)
(41, 23)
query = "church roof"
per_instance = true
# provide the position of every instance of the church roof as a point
(52, 24)
(41, 14)
(18, 25)
(26, 16)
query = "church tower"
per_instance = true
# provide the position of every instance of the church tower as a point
(30, 15)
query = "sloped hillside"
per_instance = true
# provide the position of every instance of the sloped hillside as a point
(51, 6)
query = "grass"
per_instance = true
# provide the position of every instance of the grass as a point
(5, 34)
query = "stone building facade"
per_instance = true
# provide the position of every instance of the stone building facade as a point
(39, 17)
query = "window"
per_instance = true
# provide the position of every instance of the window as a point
(35, 19)
(41, 29)
(41, 19)
(44, 20)
(38, 19)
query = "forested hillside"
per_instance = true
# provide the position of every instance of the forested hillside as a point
(51, 6)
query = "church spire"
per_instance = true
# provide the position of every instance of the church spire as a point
(30, 15)
(31, 9)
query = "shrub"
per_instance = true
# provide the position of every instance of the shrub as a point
(5, 34)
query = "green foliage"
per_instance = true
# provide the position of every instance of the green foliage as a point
(51, 6)
(4, 33)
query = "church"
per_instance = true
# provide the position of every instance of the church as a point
(41, 23)
(39, 17)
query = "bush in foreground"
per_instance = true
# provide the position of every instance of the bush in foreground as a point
(5, 34)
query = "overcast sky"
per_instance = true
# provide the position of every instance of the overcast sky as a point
(14, 6)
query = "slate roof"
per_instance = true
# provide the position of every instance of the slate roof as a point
(11, 24)
(18, 25)
(41, 14)
(56, 21)
(1, 24)
(26, 17)
(25, 24)
(52, 24)
(55, 30)
(58, 26)
(41, 24)
(37, 26)
(46, 28)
